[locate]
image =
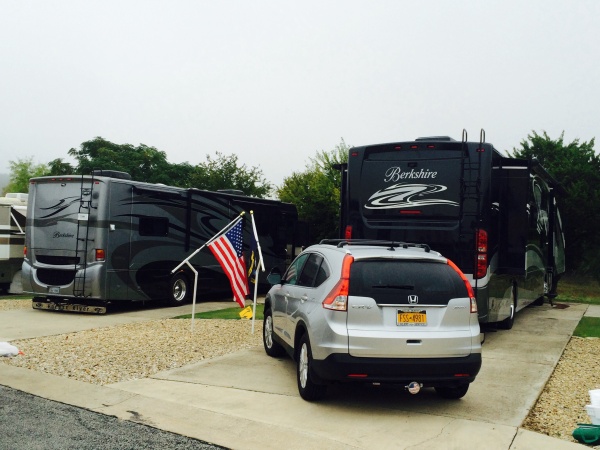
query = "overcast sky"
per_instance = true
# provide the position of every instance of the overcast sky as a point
(276, 81)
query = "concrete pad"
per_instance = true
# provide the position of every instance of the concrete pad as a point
(593, 311)
(354, 425)
(528, 440)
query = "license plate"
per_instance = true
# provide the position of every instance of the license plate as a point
(69, 307)
(412, 318)
(54, 290)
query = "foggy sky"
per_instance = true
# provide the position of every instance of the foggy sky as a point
(276, 81)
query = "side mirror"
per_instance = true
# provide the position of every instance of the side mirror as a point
(274, 277)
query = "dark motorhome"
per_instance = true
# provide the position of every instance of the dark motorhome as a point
(495, 217)
(101, 238)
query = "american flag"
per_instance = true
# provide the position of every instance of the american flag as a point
(227, 248)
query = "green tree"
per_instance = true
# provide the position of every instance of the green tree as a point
(576, 166)
(143, 163)
(59, 167)
(316, 192)
(149, 164)
(224, 172)
(21, 171)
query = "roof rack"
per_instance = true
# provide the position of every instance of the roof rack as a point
(344, 242)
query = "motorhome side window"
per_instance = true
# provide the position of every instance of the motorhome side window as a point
(154, 226)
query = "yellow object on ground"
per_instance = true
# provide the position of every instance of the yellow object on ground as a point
(246, 313)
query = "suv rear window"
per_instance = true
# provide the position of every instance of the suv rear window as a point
(393, 281)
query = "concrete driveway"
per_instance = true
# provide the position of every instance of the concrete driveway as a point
(247, 400)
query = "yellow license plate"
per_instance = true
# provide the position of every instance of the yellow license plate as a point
(412, 317)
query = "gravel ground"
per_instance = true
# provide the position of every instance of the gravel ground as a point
(131, 351)
(560, 406)
(110, 355)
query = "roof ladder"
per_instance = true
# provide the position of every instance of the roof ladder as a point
(81, 243)
(470, 197)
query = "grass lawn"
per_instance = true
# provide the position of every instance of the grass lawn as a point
(588, 327)
(16, 297)
(228, 313)
(578, 290)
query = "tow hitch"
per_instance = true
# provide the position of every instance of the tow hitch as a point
(414, 387)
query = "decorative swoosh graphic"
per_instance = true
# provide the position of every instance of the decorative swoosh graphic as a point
(403, 196)
(60, 206)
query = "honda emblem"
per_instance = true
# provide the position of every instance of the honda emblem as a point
(412, 299)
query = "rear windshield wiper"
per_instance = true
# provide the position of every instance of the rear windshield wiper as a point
(393, 286)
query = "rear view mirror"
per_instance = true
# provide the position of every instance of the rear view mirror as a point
(274, 277)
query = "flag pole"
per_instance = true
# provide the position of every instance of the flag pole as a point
(216, 236)
(186, 261)
(260, 264)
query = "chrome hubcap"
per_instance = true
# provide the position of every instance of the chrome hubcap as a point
(179, 290)
(269, 331)
(303, 365)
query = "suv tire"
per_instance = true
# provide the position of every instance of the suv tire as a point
(272, 348)
(307, 387)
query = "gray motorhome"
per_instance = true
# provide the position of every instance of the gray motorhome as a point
(495, 217)
(101, 238)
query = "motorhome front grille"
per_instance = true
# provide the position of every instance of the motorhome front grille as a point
(54, 277)
(58, 260)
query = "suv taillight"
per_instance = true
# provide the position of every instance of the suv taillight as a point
(470, 292)
(481, 254)
(337, 299)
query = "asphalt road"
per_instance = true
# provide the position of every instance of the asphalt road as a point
(31, 423)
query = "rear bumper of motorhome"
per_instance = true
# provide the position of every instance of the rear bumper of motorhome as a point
(45, 280)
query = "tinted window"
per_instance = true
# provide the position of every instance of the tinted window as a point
(322, 274)
(291, 275)
(315, 271)
(391, 282)
(154, 226)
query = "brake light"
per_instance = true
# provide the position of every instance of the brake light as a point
(348, 232)
(470, 291)
(481, 239)
(25, 251)
(337, 299)
(100, 254)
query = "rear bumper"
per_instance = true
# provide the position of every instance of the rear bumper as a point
(428, 371)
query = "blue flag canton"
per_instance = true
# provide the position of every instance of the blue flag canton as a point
(235, 237)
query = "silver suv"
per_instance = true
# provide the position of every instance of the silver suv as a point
(374, 312)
